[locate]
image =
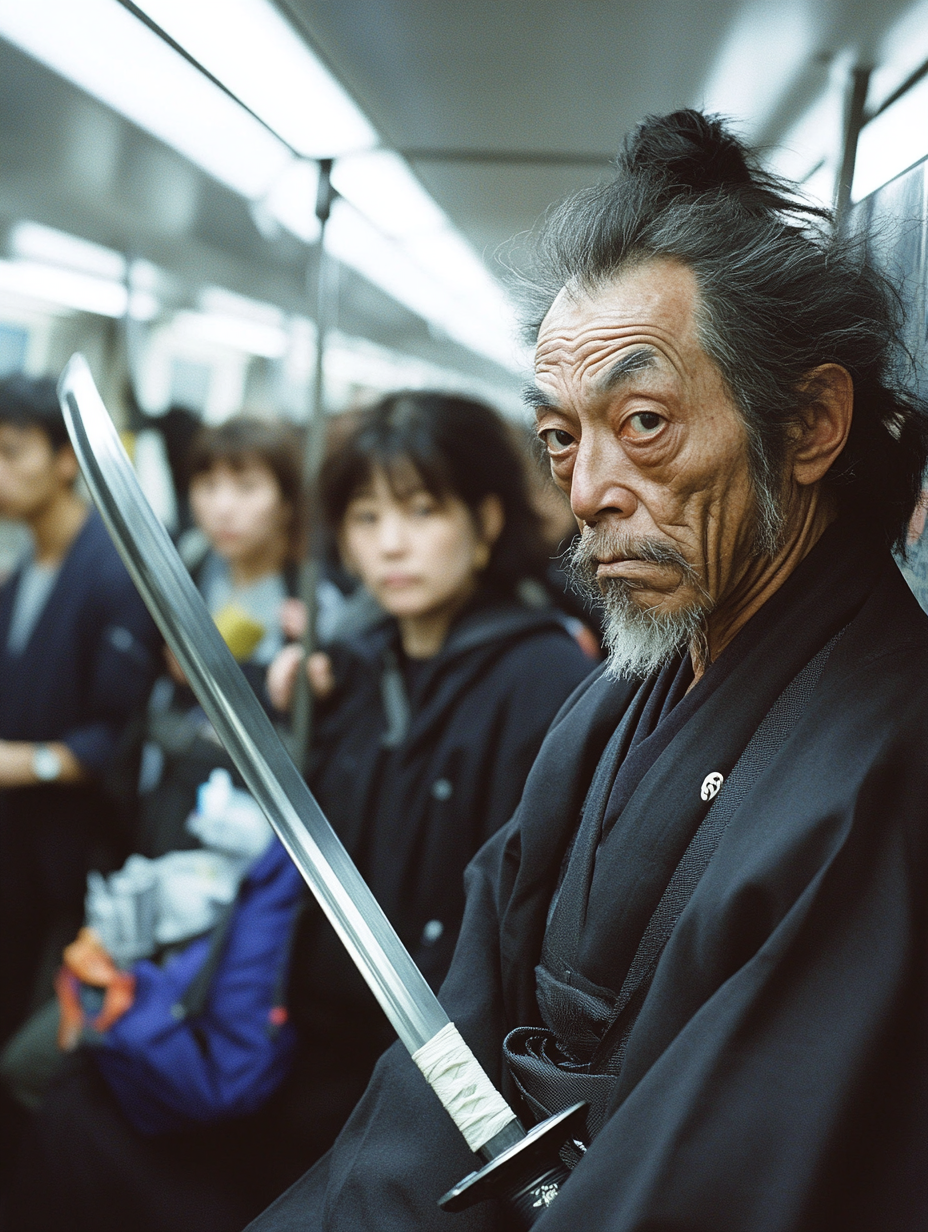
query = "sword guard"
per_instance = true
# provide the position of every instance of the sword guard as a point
(528, 1175)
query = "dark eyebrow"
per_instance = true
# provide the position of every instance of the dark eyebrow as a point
(534, 398)
(635, 361)
(622, 369)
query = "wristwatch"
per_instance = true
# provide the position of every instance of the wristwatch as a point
(46, 764)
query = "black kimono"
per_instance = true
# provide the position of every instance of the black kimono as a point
(776, 1079)
(85, 670)
(416, 764)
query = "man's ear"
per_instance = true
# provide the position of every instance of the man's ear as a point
(822, 431)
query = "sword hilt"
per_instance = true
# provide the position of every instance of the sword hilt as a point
(527, 1174)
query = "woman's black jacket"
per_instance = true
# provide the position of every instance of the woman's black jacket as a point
(416, 764)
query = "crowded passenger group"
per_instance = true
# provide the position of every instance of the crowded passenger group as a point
(182, 1032)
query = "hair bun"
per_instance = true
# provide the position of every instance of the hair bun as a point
(688, 153)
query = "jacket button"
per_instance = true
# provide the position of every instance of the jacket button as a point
(432, 932)
(442, 789)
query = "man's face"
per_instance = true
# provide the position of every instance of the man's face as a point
(32, 474)
(647, 443)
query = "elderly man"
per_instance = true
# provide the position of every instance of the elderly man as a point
(708, 917)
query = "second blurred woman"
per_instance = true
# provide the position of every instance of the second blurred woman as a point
(245, 493)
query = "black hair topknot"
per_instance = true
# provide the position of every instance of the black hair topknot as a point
(687, 153)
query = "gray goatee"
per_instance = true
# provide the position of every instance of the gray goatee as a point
(638, 639)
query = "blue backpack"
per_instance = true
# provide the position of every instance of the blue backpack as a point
(207, 1036)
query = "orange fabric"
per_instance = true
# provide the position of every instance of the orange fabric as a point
(86, 961)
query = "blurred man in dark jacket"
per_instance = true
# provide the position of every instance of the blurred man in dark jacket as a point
(77, 657)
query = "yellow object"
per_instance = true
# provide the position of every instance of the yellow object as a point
(240, 632)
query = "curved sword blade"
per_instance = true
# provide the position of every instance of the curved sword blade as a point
(239, 720)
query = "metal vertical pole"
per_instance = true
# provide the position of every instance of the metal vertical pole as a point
(312, 463)
(128, 339)
(855, 117)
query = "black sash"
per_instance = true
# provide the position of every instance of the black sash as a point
(579, 1054)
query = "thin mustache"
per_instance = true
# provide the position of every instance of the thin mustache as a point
(595, 547)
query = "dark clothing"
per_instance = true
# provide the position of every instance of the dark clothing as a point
(89, 1169)
(415, 780)
(181, 748)
(776, 1079)
(89, 659)
(414, 783)
(85, 670)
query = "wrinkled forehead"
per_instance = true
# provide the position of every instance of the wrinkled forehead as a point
(649, 309)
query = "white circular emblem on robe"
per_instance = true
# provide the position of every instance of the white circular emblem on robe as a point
(711, 784)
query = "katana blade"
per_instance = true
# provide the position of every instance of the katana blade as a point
(238, 717)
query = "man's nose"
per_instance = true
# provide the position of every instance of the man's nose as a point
(597, 489)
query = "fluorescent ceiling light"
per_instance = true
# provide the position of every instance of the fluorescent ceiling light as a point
(32, 241)
(411, 253)
(250, 47)
(903, 50)
(234, 332)
(357, 243)
(72, 289)
(381, 185)
(101, 47)
(220, 302)
(448, 256)
(892, 142)
(407, 246)
(485, 327)
(292, 200)
(811, 150)
(397, 236)
(351, 362)
(144, 276)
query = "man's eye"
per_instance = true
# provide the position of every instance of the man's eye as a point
(646, 423)
(556, 439)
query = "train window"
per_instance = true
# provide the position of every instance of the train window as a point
(892, 141)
